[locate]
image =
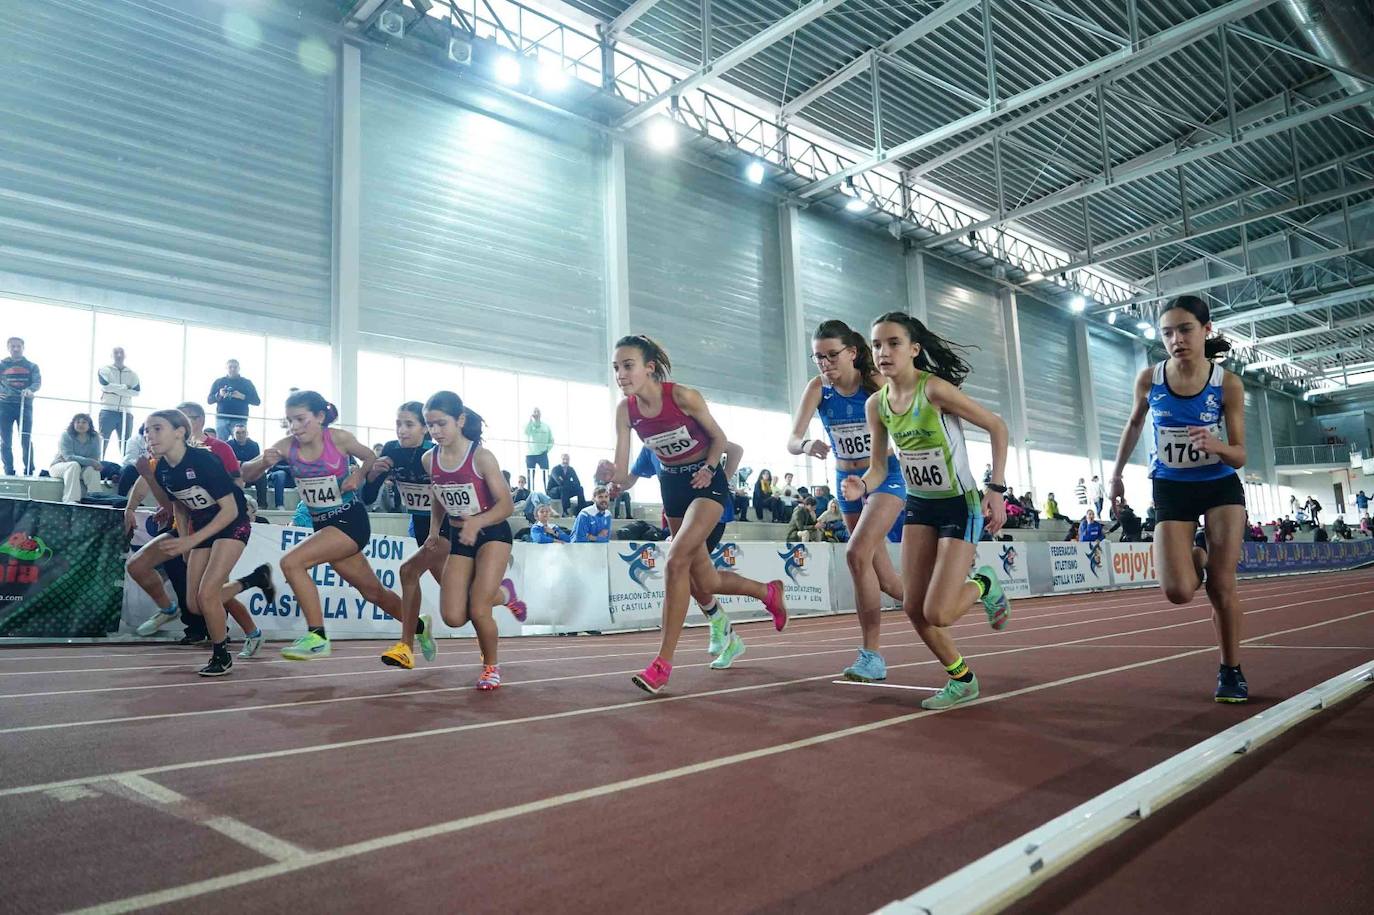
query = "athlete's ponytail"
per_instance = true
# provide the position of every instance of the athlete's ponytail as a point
(313, 402)
(651, 351)
(451, 404)
(863, 354)
(938, 356)
(1212, 347)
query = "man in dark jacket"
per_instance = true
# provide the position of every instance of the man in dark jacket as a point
(19, 381)
(1129, 523)
(565, 486)
(231, 395)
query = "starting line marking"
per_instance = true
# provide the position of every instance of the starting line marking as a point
(928, 689)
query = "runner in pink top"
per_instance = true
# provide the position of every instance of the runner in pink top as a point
(674, 421)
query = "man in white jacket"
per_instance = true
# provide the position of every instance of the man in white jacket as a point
(118, 388)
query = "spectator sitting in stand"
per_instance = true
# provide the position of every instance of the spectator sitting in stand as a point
(803, 521)
(136, 447)
(1321, 536)
(1151, 519)
(1052, 509)
(536, 501)
(593, 524)
(245, 449)
(544, 530)
(1254, 533)
(763, 496)
(520, 491)
(1340, 528)
(1073, 531)
(1367, 525)
(77, 463)
(1089, 529)
(787, 495)
(823, 499)
(831, 523)
(565, 486)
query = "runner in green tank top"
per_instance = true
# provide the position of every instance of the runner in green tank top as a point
(920, 411)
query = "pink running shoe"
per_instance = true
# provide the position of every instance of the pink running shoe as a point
(516, 605)
(491, 677)
(654, 677)
(772, 602)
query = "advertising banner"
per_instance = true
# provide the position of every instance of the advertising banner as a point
(1079, 566)
(1008, 560)
(635, 572)
(1133, 564)
(61, 569)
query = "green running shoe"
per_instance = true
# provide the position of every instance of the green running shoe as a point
(995, 602)
(307, 648)
(734, 648)
(426, 638)
(720, 632)
(954, 693)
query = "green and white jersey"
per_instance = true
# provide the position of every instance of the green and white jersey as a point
(930, 446)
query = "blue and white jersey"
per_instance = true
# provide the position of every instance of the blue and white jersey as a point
(846, 424)
(1172, 455)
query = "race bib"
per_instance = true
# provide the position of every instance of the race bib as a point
(673, 443)
(1176, 450)
(852, 441)
(924, 471)
(194, 497)
(414, 496)
(458, 498)
(319, 492)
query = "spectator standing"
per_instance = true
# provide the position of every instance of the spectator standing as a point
(593, 524)
(1361, 502)
(231, 395)
(987, 474)
(1081, 493)
(1292, 503)
(118, 387)
(19, 381)
(1314, 511)
(1099, 494)
(1089, 529)
(245, 449)
(564, 486)
(77, 463)
(539, 442)
(544, 530)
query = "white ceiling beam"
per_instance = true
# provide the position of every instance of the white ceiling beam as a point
(629, 17)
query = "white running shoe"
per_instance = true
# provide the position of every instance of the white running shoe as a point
(251, 644)
(155, 622)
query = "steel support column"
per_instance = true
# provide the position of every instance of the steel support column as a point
(344, 316)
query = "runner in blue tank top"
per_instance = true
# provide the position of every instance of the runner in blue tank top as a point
(839, 395)
(1197, 443)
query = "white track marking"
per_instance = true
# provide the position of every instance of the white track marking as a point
(396, 694)
(386, 671)
(924, 689)
(451, 827)
(178, 805)
(639, 703)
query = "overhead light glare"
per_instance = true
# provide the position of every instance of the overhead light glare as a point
(507, 69)
(1034, 276)
(1111, 317)
(1149, 333)
(754, 173)
(662, 133)
(552, 76)
(1078, 304)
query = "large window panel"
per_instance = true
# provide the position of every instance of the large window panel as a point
(152, 349)
(381, 389)
(208, 350)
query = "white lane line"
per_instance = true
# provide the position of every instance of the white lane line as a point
(924, 689)
(183, 808)
(753, 661)
(396, 694)
(639, 703)
(461, 824)
(389, 671)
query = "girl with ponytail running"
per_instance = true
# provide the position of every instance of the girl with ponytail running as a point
(676, 424)
(840, 393)
(319, 464)
(919, 411)
(469, 493)
(1197, 416)
(402, 462)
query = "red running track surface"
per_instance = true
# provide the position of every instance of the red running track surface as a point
(127, 782)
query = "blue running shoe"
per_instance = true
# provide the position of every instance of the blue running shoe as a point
(869, 667)
(1231, 685)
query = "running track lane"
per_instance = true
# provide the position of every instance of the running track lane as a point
(1285, 828)
(840, 822)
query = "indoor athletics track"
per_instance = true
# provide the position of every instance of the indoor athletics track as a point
(126, 782)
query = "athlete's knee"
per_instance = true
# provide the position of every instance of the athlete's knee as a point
(859, 560)
(1177, 594)
(292, 565)
(679, 562)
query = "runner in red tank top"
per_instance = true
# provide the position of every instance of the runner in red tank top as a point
(675, 422)
(470, 491)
